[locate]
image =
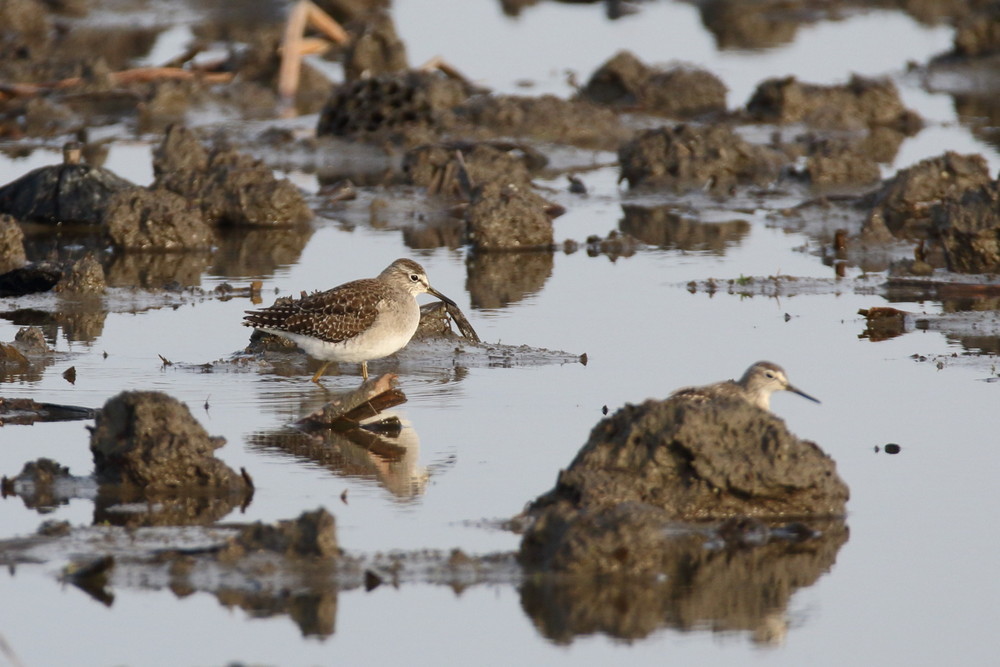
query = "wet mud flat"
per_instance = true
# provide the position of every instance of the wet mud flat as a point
(454, 166)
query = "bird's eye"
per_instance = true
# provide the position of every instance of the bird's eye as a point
(769, 374)
(414, 278)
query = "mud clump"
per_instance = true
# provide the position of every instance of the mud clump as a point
(232, 188)
(902, 207)
(662, 462)
(375, 47)
(839, 162)
(36, 483)
(763, 25)
(312, 535)
(68, 193)
(978, 35)
(859, 104)
(84, 276)
(453, 168)
(30, 278)
(407, 107)
(141, 219)
(679, 92)
(969, 229)
(12, 255)
(546, 118)
(414, 107)
(505, 216)
(688, 157)
(150, 441)
(27, 348)
(701, 461)
(31, 341)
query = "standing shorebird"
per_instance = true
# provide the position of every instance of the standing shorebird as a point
(364, 319)
(755, 387)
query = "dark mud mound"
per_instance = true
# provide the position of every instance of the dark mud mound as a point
(678, 92)
(758, 25)
(505, 216)
(141, 219)
(29, 279)
(150, 441)
(947, 203)
(689, 157)
(30, 341)
(232, 188)
(902, 207)
(421, 107)
(62, 194)
(26, 356)
(969, 229)
(859, 104)
(408, 107)
(832, 162)
(650, 466)
(708, 460)
(83, 276)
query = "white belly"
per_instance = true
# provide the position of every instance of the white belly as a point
(389, 333)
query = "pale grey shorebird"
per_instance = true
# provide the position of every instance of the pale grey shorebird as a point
(361, 320)
(755, 387)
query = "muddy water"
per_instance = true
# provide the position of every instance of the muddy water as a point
(914, 584)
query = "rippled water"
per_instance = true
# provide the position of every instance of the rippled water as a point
(914, 584)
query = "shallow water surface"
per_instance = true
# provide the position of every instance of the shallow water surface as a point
(915, 584)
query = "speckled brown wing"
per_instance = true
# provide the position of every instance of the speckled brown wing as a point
(710, 392)
(334, 315)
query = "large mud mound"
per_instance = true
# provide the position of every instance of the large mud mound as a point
(691, 157)
(711, 460)
(624, 81)
(149, 440)
(650, 466)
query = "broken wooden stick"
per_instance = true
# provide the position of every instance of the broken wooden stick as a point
(347, 410)
(124, 77)
(294, 45)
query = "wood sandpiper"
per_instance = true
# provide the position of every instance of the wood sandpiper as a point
(755, 387)
(364, 319)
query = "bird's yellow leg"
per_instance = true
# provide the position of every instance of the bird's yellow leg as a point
(315, 378)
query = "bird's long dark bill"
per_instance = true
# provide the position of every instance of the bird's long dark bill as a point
(434, 292)
(802, 393)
